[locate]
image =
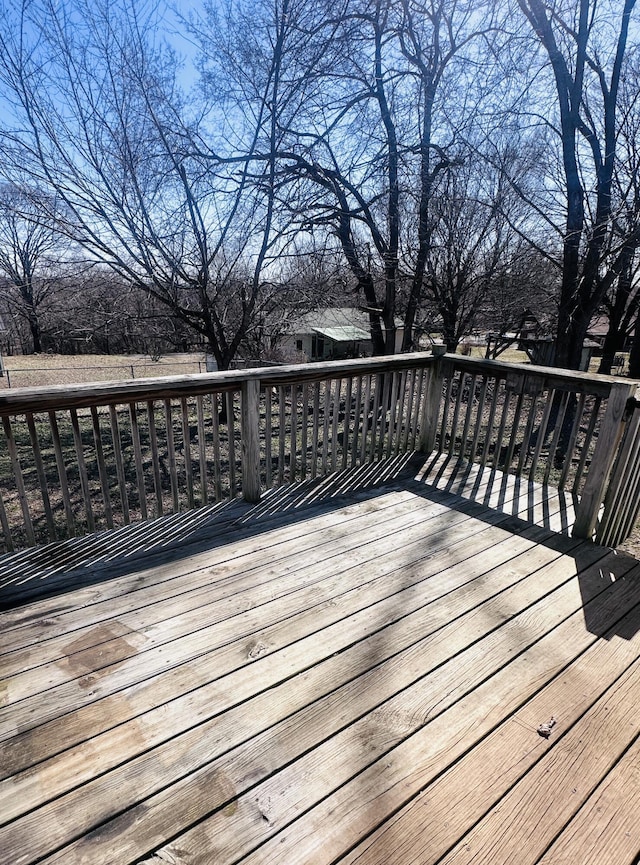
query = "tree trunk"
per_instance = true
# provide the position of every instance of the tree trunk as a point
(634, 354)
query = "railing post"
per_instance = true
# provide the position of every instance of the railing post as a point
(621, 502)
(431, 406)
(604, 457)
(250, 430)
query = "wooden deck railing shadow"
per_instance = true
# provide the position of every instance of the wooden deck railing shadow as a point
(62, 565)
(599, 587)
(538, 503)
(79, 460)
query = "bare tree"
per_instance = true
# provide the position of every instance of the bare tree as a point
(101, 123)
(358, 149)
(33, 256)
(586, 72)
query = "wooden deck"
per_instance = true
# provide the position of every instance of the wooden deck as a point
(329, 679)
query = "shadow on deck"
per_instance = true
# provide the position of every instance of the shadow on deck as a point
(372, 669)
(56, 567)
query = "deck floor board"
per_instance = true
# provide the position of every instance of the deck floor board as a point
(360, 681)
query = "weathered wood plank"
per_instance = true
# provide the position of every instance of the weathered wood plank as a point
(281, 797)
(356, 808)
(135, 649)
(242, 541)
(430, 824)
(606, 828)
(109, 711)
(539, 806)
(396, 642)
(186, 584)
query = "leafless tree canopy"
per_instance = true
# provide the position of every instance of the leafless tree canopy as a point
(456, 161)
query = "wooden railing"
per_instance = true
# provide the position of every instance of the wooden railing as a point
(572, 430)
(85, 458)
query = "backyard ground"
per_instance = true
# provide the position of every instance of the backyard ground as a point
(41, 370)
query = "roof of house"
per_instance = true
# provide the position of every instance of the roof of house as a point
(342, 324)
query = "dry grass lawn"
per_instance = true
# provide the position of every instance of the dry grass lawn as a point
(41, 370)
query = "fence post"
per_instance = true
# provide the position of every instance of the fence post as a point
(250, 431)
(604, 457)
(431, 406)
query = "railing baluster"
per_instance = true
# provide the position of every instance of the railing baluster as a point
(325, 426)
(514, 431)
(410, 384)
(281, 432)
(384, 409)
(42, 477)
(186, 450)
(335, 417)
(445, 409)
(231, 433)
(393, 411)
(117, 455)
(357, 422)
(268, 442)
(102, 467)
(568, 458)
(215, 441)
(503, 422)
(467, 416)
(528, 430)
(294, 433)
(316, 425)
(17, 476)
(82, 469)
(479, 418)
(542, 434)
(420, 398)
(250, 426)
(346, 428)
(364, 419)
(456, 414)
(304, 431)
(62, 474)
(202, 450)
(137, 452)
(562, 410)
(155, 458)
(171, 453)
(486, 450)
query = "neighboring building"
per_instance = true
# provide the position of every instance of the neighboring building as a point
(333, 334)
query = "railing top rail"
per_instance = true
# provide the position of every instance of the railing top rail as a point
(37, 399)
(566, 379)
